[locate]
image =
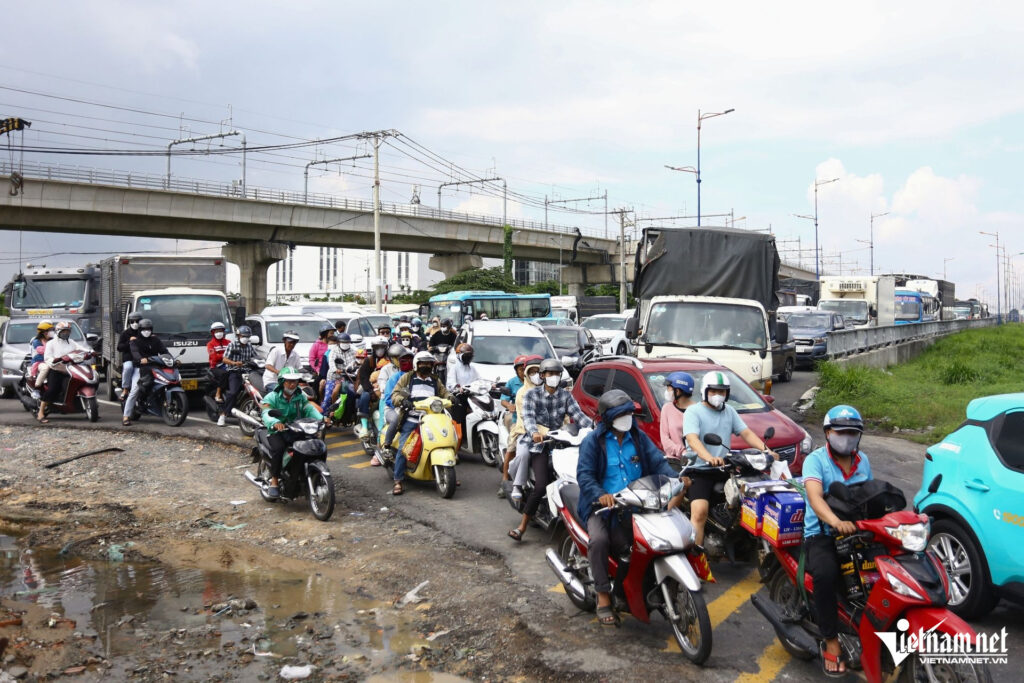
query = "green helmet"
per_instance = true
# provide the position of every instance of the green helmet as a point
(289, 374)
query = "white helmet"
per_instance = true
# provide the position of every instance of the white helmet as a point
(715, 379)
(424, 357)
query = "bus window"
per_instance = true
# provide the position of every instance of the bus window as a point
(540, 308)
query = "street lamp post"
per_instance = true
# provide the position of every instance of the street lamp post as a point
(999, 315)
(817, 249)
(700, 118)
(872, 238)
(944, 262)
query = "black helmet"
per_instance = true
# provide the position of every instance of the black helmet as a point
(343, 338)
(134, 317)
(244, 331)
(446, 321)
(325, 328)
(403, 318)
(614, 403)
(395, 351)
(145, 324)
(550, 365)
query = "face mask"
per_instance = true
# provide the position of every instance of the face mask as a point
(134, 326)
(535, 377)
(467, 358)
(552, 380)
(286, 391)
(622, 423)
(379, 353)
(49, 334)
(405, 366)
(716, 401)
(445, 328)
(423, 371)
(146, 333)
(843, 444)
(243, 340)
(345, 347)
(405, 342)
(670, 395)
(218, 335)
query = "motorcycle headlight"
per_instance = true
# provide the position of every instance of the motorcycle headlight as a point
(807, 444)
(650, 500)
(902, 588)
(914, 537)
(436, 406)
(759, 461)
(310, 428)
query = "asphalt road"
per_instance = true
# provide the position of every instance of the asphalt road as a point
(745, 646)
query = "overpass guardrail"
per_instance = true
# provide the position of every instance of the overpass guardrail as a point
(844, 343)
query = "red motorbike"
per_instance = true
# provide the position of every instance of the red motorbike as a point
(891, 583)
(663, 572)
(80, 380)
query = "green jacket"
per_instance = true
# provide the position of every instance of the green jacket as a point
(295, 407)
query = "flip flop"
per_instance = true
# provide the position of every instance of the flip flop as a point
(606, 616)
(397, 490)
(826, 657)
(516, 535)
(42, 420)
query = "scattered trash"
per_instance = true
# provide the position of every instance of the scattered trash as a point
(296, 673)
(223, 527)
(238, 502)
(384, 509)
(83, 455)
(116, 551)
(437, 634)
(298, 616)
(413, 595)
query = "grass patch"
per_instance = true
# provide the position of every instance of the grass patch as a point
(930, 393)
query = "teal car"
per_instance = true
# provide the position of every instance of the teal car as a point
(973, 489)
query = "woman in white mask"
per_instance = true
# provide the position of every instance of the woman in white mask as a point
(678, 397)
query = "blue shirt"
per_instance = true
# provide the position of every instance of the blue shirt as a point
(703, 420)
(390, 387)
(514, 385)
(623, 463)
(39, 348)
(821, 467)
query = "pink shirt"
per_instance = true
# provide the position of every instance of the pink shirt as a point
(671, 427)
(316, 354)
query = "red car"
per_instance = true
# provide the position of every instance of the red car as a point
(644, 381)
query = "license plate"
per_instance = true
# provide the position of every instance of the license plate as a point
(189, 384)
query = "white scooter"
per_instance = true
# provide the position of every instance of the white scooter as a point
(563, 448)
(484, 414)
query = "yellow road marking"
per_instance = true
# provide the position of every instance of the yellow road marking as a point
(725, 604)
(345, 438)
(557, 588)
(353, 454)
(769, 664)
(360, 465)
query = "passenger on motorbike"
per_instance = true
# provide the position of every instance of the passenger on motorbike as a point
(527, 367)
(678, 397)
(147, 344)
(129, 333)
(403, 363)
(384, 330)
(44, 333)
(463, 374)
(215, 348)
(316, 353)
(405, 338)
(411, 387)
(293, 404)
(56, 348)
(840, 459)
(238, 353)
(444, 336)
(544, 408)
(338, 382)
(417, 327)
(280, 357)
(612, 457)
(712, 416)
(378, 348)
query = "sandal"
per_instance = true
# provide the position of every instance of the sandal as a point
(827, 657)
(516, 535)
(42, 420)
(397, 490)
(126, 422)
(606, 616)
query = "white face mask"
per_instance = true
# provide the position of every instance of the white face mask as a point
(218, 335)
(405, 342)
(843, 444)
(146, 333)
(623, 423)
(552, 380)
(379, 353)
(134, 326)
(716, 401)
(345, 347)
(49, 334)
(670, 394)
(445, 328)
(243, 340)
(534, 377)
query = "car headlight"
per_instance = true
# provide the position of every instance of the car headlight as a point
(902, 588)
(820, 340)
(914, 537)
(807, 444)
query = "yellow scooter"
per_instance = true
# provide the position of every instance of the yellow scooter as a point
(430, 451)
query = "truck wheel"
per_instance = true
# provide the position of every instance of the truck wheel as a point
(787, 372)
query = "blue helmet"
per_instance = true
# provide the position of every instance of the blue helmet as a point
(682, 381)
(843, 417)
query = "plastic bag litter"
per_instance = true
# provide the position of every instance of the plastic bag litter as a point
(296, 673)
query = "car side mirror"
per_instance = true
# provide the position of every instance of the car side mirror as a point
(770, 432)
(356, 338)
(782, 331)
(255, 340)
(588, 347)
(632, 328)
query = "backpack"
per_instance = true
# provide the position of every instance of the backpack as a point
(867, 500)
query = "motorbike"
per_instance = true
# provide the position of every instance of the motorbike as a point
(79, 389)
(341, 412)
(430, 449)
(562, 447)
(160, 391)
(247, 402)
(888, 577)
(441, 352)
(662, 566)
(483, 415)
(304, 470)
(723, 536)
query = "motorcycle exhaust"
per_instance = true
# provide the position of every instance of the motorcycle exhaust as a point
(242, 416)
(254, 481)
(792, 632)
(570, 582)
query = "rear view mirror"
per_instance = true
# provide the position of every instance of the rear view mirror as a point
(632, 328)
(239, 319)
(713, 439)
(770, 432)
(782, 331)
(255, 340)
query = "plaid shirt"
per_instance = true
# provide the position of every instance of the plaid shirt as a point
(240, 353)
(549, 410)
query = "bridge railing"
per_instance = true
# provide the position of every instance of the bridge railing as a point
(234, 190)
(844, 343)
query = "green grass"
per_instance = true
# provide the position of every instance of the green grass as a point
(931, 392)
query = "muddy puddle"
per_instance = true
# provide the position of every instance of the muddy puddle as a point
(120, 603)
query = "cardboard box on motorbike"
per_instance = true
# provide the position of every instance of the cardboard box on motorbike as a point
(755, 498)
(783, 522)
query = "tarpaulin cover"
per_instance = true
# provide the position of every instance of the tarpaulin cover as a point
(707, 262)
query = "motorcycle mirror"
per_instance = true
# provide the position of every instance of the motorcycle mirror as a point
(768, 433)
(276, 414)
(713, 439)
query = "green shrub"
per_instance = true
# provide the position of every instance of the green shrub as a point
(958, 372)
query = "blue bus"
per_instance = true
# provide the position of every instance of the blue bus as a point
(495, 305)
(915, 307)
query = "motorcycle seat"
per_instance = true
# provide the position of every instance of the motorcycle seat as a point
(571, 497)
(262, 438)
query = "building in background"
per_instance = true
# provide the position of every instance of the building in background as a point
(332, 271)
(532, 272)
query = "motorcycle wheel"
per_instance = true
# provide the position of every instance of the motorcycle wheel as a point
(692, 630)
(489, 448)
(914, 670)
(571, 556)
(444, 477)
(27, 402)
(263, 472)
(176, 410)
(785, 594)
(249, 407)
(210, 412)
(92, 409)
(321, 496)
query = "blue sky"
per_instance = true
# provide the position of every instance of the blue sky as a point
(916, 107)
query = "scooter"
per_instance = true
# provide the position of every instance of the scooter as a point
(723, 536)
(889, 577)
(430, 449)
(662, 574)
(79, 387)
(304, 470)
(483, 415)
(160, 391)
(563, 452)
(248, 401)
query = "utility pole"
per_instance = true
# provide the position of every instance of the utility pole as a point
(378, 293)
(547, 202)
(305, 173)
(872, 238)
(817, 249)
(701, 117)
(999, 317)
(622, 256)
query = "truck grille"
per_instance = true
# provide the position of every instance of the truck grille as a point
(804, 342)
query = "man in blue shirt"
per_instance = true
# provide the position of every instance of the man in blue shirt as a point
(839, 459)
(611, 458)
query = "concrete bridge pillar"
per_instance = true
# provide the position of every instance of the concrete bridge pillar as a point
(453, 264)
(253, 259)
(577, 290)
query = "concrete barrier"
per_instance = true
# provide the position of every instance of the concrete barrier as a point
(880, 347)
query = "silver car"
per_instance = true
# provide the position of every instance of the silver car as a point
(15, 336)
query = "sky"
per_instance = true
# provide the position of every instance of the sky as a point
(917, 108)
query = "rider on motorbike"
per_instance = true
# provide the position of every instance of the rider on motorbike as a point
(293, 404)
(444, 336)
(147, 344)
(402, 362)
(215, 348)
(316, 354)
(128, 368)
(514, 404)
(378, 346)
(840, 459)
(279, 358)
(712, 416)
(238, 353)
(413, 386)
(612, 457)
(44, 333)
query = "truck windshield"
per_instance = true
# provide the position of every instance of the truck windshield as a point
(609, 323)
(184, 314)
(31, 293)
(908, 309)
(853, 310)
(706, 324)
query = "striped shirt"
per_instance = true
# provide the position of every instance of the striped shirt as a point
(240, 353)
(549, 410)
